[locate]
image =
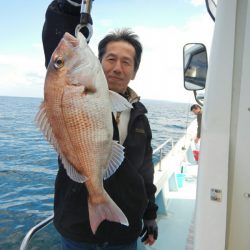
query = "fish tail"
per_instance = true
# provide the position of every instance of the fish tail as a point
(107, 210)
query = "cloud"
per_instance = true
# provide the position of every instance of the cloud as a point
(161, 72)
(21, 75)
(197, 2)
(37, 46)
(105, 22)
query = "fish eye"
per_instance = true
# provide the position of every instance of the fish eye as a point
(59, 62)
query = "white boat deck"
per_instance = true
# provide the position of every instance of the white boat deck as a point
(176, 227)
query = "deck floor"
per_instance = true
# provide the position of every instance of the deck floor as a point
(175, 228)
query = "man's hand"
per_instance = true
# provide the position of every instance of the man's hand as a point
(149, 232)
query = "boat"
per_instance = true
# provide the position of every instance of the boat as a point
(218, 184)
(222, 204)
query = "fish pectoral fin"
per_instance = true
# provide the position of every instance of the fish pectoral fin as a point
(105, 211)
(118, 102)
(116, 158)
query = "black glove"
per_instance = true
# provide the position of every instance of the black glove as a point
(150, 227)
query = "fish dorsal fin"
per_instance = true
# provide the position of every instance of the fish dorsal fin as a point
(118, 102)
(116, 158)
(43, 123)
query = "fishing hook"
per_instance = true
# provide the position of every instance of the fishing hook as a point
(85, 24)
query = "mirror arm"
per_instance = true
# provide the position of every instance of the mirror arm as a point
(197, 100)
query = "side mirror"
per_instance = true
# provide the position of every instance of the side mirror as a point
(195, 66)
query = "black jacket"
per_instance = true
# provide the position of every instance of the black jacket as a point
(131, 188)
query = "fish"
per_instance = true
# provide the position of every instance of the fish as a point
(75, 117)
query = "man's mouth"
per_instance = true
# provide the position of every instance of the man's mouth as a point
(114, 78)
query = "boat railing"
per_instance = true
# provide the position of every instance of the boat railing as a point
(47, 221)
(159, 148)
(33, 230)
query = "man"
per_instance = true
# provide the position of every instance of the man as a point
(196, 109)
(131, 187)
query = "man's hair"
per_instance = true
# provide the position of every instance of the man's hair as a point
(122, 35)
(194, 106)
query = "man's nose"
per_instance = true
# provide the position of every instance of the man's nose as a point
(117, 66)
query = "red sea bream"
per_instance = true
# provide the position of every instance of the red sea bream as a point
(75, 118)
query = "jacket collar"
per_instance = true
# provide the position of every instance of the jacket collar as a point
(131, 95)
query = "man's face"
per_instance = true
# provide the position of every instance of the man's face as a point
(118, 65)
(196, 111)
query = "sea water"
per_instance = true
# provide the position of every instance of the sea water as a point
(28, 164)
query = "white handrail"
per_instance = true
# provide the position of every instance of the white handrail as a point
(160, 149)
(33, 230)
(163, 144)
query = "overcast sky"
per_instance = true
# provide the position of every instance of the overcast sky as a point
(164, 26)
